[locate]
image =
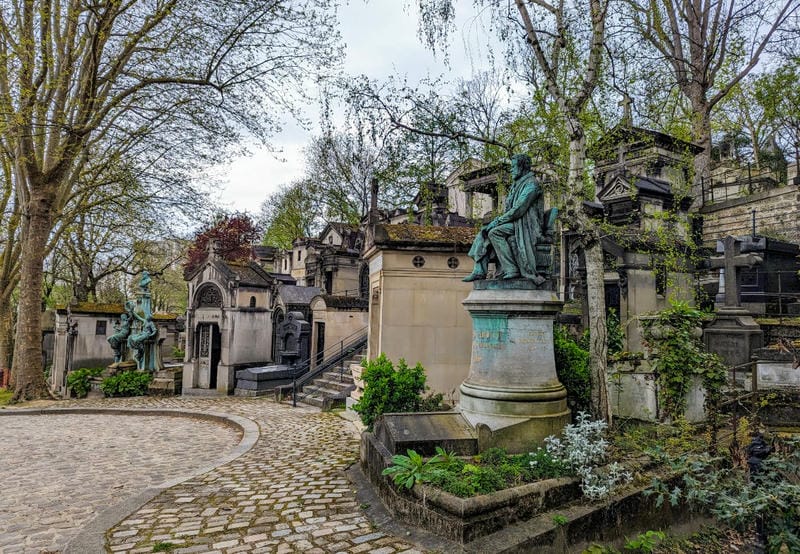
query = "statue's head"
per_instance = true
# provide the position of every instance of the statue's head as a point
(520, 164)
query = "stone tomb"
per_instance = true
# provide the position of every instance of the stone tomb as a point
(775, 369)
(228, 323)
(293, 336)
(423, 432)
(733, 334)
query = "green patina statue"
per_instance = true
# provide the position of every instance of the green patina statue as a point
(518, 240)
(137, 333)
(119, 340)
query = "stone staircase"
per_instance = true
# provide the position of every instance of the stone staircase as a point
(330, 390)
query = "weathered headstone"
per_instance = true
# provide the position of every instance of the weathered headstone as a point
(733, 334)
(294, 335)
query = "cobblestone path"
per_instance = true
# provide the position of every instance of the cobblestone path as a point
(59, 470)
(287, 494)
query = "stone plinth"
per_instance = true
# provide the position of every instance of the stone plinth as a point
(167, 381)
(512, 396)
(734, 335)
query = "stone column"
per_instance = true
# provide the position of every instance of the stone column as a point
(512, 395)
(58, 370)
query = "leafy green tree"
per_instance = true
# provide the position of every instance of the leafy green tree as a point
(778, 94)
(82, 81)
(289, 214)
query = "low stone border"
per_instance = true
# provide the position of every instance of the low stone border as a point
(92, 537)
(462, 520)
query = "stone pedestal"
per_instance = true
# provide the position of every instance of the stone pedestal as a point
(734, 335)
(512, 396)
(167, 381)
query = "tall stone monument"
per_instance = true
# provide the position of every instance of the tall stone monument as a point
(512, 396)
(733, 334)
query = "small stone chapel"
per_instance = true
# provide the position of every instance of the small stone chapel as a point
(228, 323)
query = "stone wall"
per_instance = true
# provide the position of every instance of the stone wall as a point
(777, 214)
(341, 324)
(416, 314)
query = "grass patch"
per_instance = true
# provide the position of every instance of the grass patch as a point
(5, 396)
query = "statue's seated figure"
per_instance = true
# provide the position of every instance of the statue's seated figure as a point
(518, 240)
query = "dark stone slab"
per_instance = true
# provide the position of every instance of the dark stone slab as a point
(734, 335)
(266, 373)
(423, 432)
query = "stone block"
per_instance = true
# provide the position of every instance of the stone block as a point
(423, 432)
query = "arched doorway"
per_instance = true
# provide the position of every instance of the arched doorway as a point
(277, 318)
(208, 347)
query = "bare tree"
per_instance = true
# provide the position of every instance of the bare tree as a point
(709, 46)
(80, 78)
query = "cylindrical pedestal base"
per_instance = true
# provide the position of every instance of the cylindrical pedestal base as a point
(512, 395)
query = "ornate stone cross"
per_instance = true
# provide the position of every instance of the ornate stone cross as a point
(732, 262)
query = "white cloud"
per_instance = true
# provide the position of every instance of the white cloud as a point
(381, 40)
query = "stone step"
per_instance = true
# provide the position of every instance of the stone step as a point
(323, 390)
(336, 376)
(324, 401)
(311, 401)
(329, 384)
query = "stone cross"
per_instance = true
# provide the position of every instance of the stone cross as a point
(627, 116)
(732, 262)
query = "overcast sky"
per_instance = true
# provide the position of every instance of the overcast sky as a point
(381, 40)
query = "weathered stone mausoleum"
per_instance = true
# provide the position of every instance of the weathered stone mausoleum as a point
(228, 323)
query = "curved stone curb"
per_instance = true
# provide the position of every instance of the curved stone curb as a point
(92, 537)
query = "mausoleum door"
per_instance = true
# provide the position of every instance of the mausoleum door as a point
(320, 341)
(209, 348)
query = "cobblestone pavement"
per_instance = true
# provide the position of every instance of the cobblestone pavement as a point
(287, 494)
(64, 468)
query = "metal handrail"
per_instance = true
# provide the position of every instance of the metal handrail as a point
(330, 357)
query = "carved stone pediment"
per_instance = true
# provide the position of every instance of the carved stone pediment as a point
(619, 187)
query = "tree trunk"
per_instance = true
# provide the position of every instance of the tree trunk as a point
(701, 135)
(27, 372)
(598, 333)
(6, 339)
(595, 282)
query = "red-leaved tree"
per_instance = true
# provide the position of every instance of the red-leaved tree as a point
(233, 236)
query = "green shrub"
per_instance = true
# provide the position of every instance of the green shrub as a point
(127, 383)
(408, 470)
(572, 367)
(390, 390)
(78, 380)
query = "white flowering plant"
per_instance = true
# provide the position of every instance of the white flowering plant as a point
(584, 449)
